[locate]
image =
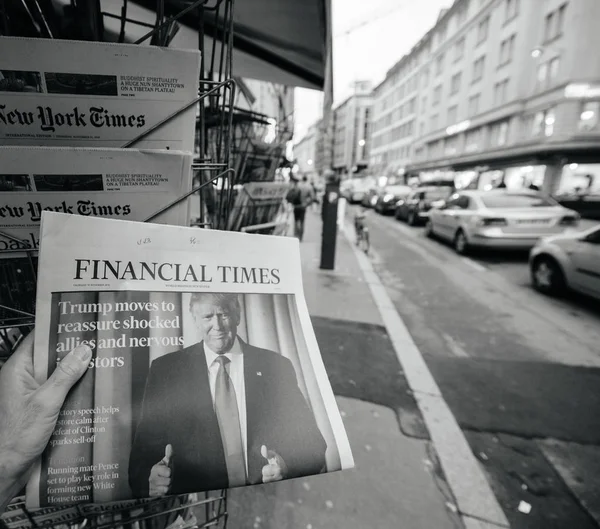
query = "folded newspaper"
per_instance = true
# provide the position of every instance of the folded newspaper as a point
(206, 373)
(116, 183)
(96, 94)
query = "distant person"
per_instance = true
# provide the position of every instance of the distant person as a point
(300, 196)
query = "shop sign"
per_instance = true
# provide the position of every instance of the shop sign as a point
(459, 127)
(582, 91)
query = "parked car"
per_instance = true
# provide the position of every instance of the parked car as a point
(370, 198)
(388, 196)
(415, 208)
(498, 219)
(570, 260)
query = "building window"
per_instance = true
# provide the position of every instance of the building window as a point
(589, 116)
(451, 146)
(474, 105)
(500, 92)
(459, 49)
(542, 74)
(553, 69)
(507, 48)
(502, 133)
(512, 10)
(478, 68)
(455, 83)
(434, 122)
(437, 94)
(425, 76)
(499, 134)
(544, 122)
(461, 15)
(439, 64)
(472, 140)
(412, 105)
(452, 114)
(554, 22)
(424, 103)
(483, 29)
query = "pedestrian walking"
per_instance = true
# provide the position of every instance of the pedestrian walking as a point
(300, 196)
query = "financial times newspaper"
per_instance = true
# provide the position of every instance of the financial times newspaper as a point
(94, 94)
(125, 184)
(206, 373)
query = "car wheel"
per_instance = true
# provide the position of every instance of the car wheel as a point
(412, 219)
(429, 229)
(461, 245)
(547, 276)
(397, 214)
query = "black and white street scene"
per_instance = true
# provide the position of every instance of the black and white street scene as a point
(437, 163)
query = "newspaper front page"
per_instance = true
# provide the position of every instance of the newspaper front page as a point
(206, 373)
(95, 94)
(125, 184)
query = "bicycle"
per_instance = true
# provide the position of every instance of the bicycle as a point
(362, 233)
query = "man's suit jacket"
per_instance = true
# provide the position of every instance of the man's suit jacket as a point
(178, 410)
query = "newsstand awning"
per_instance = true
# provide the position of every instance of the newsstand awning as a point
(281, 41)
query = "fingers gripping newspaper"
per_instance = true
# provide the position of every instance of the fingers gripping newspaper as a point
(206, 372)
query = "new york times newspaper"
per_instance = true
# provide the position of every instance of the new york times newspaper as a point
(206, 372)
(95, 94)
(124, 184)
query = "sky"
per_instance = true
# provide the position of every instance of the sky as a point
(369, 37)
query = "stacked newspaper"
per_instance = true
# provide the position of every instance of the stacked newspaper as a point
(96, 94)
(73, 98)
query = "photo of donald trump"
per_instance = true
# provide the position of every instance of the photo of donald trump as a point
(222, 413)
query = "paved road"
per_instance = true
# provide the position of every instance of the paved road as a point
(520, 371)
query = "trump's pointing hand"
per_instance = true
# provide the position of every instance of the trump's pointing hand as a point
(160, 475)
(275, 469)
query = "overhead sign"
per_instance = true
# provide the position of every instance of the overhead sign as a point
(459, 127)
(582, 91)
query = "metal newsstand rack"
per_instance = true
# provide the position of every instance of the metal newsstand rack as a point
(212, 172)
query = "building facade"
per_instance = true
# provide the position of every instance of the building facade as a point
(497, 91)
(351, 121)
(305, 152)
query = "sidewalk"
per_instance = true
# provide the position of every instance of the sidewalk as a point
(397, 481)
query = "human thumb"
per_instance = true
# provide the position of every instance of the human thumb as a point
(68, 371)
(168, 455)
(269, 455)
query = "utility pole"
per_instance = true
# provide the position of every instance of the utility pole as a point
(332, 183)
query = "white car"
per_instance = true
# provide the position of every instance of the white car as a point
(498, 219)
(570, 260)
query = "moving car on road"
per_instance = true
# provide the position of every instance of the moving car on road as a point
(415, 208)
(354, 190)
(569, 260)
(388, 196)
(499, 218)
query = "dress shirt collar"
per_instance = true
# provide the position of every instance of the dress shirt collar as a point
(211, 356)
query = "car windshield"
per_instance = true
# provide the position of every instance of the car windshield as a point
(516, 201)
(398, 190)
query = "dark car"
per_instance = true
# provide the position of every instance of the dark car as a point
(388, 196)
(415, 208)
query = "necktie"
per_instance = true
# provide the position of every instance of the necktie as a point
(229, 424)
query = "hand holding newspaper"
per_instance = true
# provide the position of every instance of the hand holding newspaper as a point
(205, 374)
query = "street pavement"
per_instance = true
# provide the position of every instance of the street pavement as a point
(397, 481)
(519, 370)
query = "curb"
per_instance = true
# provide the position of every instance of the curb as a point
(474, 497)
